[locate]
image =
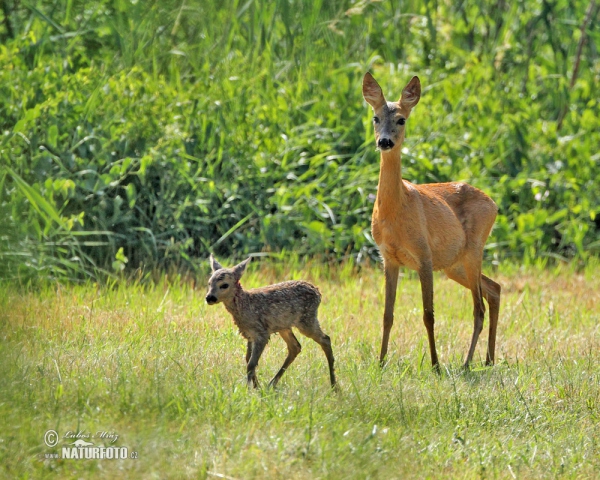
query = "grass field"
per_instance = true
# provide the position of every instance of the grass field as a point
(157, 366)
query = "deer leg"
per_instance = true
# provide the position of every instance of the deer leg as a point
(248, 351)
(325, 343)
(258, 346)
(475, 282)
(491, 292)
(426, 277)
(318, 336)
(478, 314)
(294, 349)
(391, 284)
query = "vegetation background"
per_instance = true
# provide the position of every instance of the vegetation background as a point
(148, 133)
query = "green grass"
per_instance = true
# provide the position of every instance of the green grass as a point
(156, 365)
(171, 129)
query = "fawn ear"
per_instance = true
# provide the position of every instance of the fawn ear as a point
(239, 269)
(214, 264)
(411, 94)
(372, 91)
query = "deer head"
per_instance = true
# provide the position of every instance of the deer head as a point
(224, 282)
(390, 118)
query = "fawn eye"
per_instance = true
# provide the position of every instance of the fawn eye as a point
(224, 286)
(401, 121)
(375, 119)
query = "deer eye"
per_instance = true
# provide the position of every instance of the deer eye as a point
(375, 119)
(224, 286)
(401, 121)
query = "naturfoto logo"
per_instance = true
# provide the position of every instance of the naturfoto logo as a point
(81, 448)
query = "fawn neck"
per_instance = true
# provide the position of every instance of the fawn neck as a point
(391, 190)
(233, 304)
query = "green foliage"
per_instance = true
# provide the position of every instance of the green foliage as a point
(165, 130)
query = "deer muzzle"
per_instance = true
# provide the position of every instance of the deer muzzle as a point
(385, 143)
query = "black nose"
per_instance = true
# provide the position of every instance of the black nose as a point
(385, 143)
(211, 299)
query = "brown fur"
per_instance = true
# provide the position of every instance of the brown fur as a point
(274, 309)
(440, 226)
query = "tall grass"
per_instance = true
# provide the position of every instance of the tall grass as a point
(171, 129)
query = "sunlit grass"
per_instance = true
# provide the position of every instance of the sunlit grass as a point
(159, 367)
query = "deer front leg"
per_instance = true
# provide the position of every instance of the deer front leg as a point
(391, 283)
(426, 277)
(258, 345)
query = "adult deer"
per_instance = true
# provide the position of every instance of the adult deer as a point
(438, 226)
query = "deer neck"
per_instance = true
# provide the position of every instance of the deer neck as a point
(235, 304)
(391, 190)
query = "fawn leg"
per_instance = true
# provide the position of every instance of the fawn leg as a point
(491, 292)
(391, 283)
(258, 345)
(294, 349)
(248, 351)
(426, 277)
(313, 330)
(326, 346)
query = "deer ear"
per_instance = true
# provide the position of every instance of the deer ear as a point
(372, 91)
(214, 264)
(239, 269)
(411, 94)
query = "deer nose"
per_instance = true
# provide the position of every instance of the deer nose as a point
(385, 143)
(211, 299)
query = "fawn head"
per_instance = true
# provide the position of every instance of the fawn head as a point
(390, 117)
(224, 282)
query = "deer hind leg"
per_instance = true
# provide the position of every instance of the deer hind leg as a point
(294, 349)
(478, 315)
(391, 284)
(426, 277)
(491, 292)
(471, 278)
(312, 329)
(248, 351)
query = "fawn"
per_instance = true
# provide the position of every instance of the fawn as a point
(262, 311)
(438, 226)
